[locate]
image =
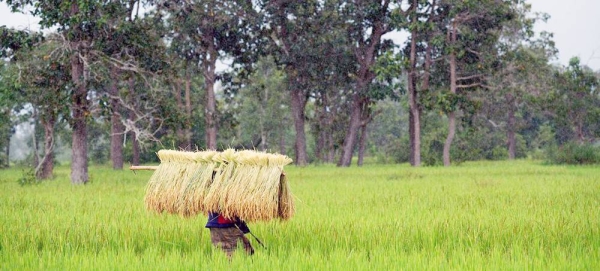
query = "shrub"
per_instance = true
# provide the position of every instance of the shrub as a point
(573, 154)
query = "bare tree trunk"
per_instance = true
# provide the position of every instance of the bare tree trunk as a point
(7, 150)
(298, 102)
(510, 130)
(362, 144)
(411, 133)
(135, 150)
(135, 144)
(46, 167)
(579, 131)
(414, 129)
(188, 112)
(449, 138)
(79, 111)
(282, 149)
(211, 103)
(351, 134)
(116, 126)
(263, 134)
(320, 144)
(366, 54)
(451, 115)
(261, 119)
(330, 148)
(34, 140)
(179, 130)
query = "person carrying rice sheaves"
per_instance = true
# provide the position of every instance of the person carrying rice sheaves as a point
(226, 234)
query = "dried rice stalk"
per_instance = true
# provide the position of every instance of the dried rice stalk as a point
(186, 166)
(158, 180)
(256, 189)
(194, 191)
(249, 185)
(286, 201)
(213, 201)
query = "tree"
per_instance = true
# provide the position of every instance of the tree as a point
(366, 23)
(577, 101)
(6, 126)
(522, 73)
(263, 109)
(290, 30)
(129, 51)
(76, 22)
(45, 83)
(422, 17)
(471, 31)
(201, 32)
(40, 80)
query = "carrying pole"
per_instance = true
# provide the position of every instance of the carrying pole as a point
(134, 168)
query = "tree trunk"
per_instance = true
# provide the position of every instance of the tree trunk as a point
(417, 110)
(298, 102)
(116, 126)
(414, 129)
(449, 138)
(362, 144)
(320, 146)
(8, 151)
(211, 103)
(135, 148)
(330, 148)
(579, 130)
(34, 139)
(510, 130)
(451, 115)
(350, 139)
(261, 119)
(7, 112)
(79, 111)
(46, 167)
(188, 112)
(366, 54)
(282, 126)
(179, 130)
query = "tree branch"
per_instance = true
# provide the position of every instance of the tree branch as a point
(470, 77)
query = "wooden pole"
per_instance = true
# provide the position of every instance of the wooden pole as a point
(143, 167)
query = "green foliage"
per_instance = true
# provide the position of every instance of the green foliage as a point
(264, 115)
(388, 135)
(312, 47)
(28, 177)
(12, 41)
(573, 154)
(576, 103)
(432, 140)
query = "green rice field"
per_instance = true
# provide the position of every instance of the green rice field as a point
(519, 215)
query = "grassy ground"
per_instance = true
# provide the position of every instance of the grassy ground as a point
(485, 215)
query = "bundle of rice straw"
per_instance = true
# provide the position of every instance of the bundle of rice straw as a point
(249, 185)
(214, 199)
(159, 192)
(259, 190)
(195, 188)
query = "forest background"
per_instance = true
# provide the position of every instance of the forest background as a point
(114, 81)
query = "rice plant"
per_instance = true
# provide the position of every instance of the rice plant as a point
(481, 215)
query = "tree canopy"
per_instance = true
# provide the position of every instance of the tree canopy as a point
(318, 79)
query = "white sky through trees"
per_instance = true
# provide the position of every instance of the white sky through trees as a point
(575, 24)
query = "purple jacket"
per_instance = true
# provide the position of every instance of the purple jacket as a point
(216, 220)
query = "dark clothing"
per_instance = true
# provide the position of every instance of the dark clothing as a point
(227, 234)
(228, 240)
(216, 220)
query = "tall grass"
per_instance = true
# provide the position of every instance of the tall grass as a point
(484, 215)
